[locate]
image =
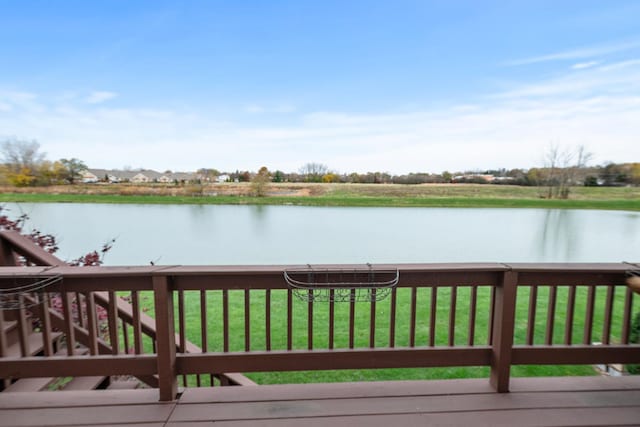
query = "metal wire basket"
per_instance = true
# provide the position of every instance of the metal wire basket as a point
(341, 285)
(12, 298)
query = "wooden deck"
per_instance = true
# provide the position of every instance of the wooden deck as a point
(576, 401)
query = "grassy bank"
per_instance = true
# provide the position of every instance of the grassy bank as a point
(365, 195)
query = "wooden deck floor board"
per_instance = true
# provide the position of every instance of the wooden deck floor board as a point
(547, 401)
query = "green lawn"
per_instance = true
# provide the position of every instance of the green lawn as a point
(321, 322)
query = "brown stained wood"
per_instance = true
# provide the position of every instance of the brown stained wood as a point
(137, 329)
(80, 308)
(204, 324)
(608, 312)
(92, 323)
(503, 329)
(352, 318)
(492, 311)
(225, 320)
(310, 321)
(45, 322)
(531, 318)
(392, 318)
(3, 336)
(112, 319)
(588, 318)
(432, 316)
(332, 318)
(575, 354)
(626, 317)
(372, 320)
(166, 356)
(551, 315)
(247, 320)
(68, 322)
(125, 336)
(302, 360)
(472, 316)
(267, 319)
(289, 319)
(23, 327)
(452, 316)
(412, 317)
(182, 325)
(568, 327)
(65, 366)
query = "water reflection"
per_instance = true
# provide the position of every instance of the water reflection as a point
(205, 234)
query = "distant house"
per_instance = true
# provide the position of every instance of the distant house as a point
(223, 178)
(89, 177)
(140, 176)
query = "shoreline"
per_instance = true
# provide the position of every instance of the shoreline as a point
(333, 195)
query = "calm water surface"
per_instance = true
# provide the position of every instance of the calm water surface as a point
(190, 234)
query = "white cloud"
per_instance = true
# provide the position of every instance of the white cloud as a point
(583, 65)
(579, 53)
(99, 97)
(598, 107)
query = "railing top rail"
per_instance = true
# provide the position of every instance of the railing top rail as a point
(243, 270)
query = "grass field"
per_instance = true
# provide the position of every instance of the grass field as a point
(402, 329)
(426, 195)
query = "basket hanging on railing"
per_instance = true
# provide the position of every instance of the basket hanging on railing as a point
(341, 285)
(11, 298)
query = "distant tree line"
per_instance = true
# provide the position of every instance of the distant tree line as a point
(23, 164)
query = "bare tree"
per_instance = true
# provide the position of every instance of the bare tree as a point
(314, 171)
(564, 167)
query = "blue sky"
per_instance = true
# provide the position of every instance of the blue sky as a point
(392, 86)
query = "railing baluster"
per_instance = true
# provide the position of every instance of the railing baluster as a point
(551, 315)
(352, 317)
(452, 316)
(372, 320)
(392, 318)
(23, 327)
(125, 335)
(289, 319)
(203, 329)
(267, 319)
(472, 315)
(568, 327)
(67, 312)
(492, 312)
(608, 311)
(112, 316)
(225, 320)
(137, 327)
(531, 318)
(433, 316)
(310, 321)
(588, 318)
(412, 319)
(3, 336)
(247, 320)
(626, 318)
(80, 308)
(332, 318)
(182, 330)
(45, 320)
(92, 324)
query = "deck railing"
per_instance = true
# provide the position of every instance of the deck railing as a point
(247, 319)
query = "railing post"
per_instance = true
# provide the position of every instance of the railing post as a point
(166, 339)
(503, 328)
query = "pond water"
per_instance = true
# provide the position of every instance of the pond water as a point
(215, 234)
